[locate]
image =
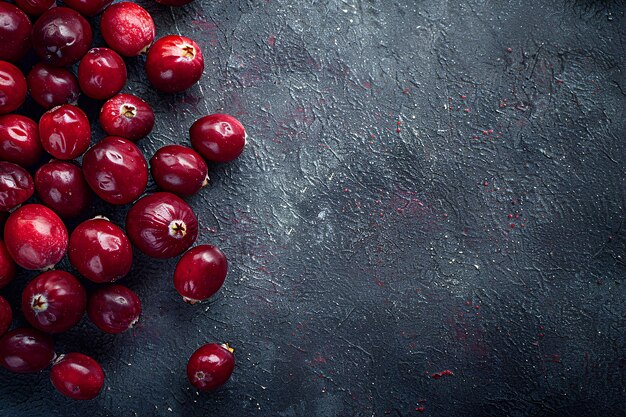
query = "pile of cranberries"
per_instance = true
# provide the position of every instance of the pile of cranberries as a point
(43, 185)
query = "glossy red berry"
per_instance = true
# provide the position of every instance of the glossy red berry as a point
(65, 132)
(16, 185)
(218, 137)
(88, 8)
(174, 63)
(62, 187)
(127, 116)
(101, 73)
(12, 87)
(19, 140)
(127, 28)
(7, 266)
(179, 170)
(52, 86)
(54, 301)
(26, 350)
(114, 309)
(116, 170)
(77, 376)
(35, 7)
(6, 315)
(35, 237)
(210, 366)
(162, 225)
(61, 36)
(200, 273)
(15, 28)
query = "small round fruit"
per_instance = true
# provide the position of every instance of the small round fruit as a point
(174, 63)
(6, 315)
(77, 376)
(52, 86)
(65, 132)
(127, 28)
(7, 266)
(35, 7)
(162, 225)
(116, 170)
(12, 87)
(19, 140)
(88, 8)
(218, 137)
(15, 28)
(54, 301)
(200, 273)
(127, 116)
(26, 350)
(16, 185)
(61, 36)
(179, 170)
(62, 187)
(35, 237)
(114, 309)
(101, 73)
(210, 366)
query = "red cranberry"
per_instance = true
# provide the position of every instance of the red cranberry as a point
(52, 86)
(200, 273)
(127, 116)
(88, 8)
(26, 350)
(35, 7)
(162, 225)
(16, 185)
(61, 36)
(6, 315)
(127, 28)
(114, 309)
(210, 366)
(15, 30)
(77, 376)
(7, 266)
(116, 170)
(19, 140)
(54, 301)
(62, 187)
(101, 73)
(174, 63)
(12, 87)
(179, 170)
(218, 137)
(65, 132)
(35, 237)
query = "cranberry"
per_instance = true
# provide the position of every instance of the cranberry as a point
(6, 315)
(15, 30)
(26, 350)
(218, 137)
(54, 301)
(116, 170)
(65, 132)
(162, 225)
(210, 366)
(88, 8)
(200, 273)
(35, 7)
(114, 309)
(35, 237)
(101, 73)
(62, 187)
(174, 3)
(127, 28)
(19, 140)
(77, 376)
(52, 86)
(179, 170)
(61, 36)
(7, 266)
(127, 116)
(16, 185)
(12, 87)
(174, 63)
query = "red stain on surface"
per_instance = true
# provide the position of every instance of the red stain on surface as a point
(445, 372)
(271, 40)
(210, 30)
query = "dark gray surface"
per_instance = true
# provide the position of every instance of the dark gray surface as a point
(365, 259)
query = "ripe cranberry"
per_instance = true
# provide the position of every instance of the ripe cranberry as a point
(116, 170)
(127, 116)
(26, 350)
(114, 309)
(179, 170)
(210, 366)
(77, 376)
(19, 140)
(101, 73)
(7, 266)
(12, 87)
(127, 28)
(54, 301)
(61, 36)
(16, 185)
(65, 132)
(35, 237)
(52, 86)
(162, 225)
(88, 8)
(62, 187)
(15, 30)
(174, 63)
(35, 7)
(6, 315)
(200, 273)
(218, 137)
